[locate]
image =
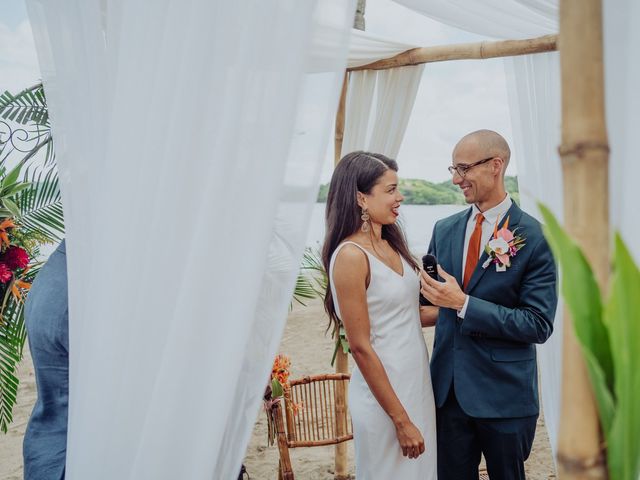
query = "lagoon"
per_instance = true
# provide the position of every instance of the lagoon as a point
(417, 221)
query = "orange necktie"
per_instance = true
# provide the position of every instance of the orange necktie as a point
(473, 251)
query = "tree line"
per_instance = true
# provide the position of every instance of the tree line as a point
(423, 192)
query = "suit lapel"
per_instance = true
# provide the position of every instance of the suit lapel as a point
(457, 245)
(513, 214)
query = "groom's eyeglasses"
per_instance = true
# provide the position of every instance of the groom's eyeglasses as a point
(462, 168)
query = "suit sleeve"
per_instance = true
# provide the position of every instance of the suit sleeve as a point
(532, 320)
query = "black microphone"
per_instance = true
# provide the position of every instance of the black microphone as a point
(429, 265)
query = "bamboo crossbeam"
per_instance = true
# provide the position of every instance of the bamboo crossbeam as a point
(320, 443)
(465, 51)
(318, 378)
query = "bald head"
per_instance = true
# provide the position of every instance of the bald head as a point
(487, 143)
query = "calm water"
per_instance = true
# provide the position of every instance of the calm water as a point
(417, 220)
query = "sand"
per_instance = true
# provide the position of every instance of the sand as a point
(310, 350)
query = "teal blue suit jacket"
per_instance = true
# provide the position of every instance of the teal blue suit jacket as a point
(490, 356)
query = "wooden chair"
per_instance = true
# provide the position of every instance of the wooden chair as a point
(323, 418)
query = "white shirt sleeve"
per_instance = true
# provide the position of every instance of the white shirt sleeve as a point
(463, 310)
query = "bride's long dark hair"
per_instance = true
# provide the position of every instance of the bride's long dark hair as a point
(356, 172)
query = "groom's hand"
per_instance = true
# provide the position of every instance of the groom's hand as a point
(447, 294)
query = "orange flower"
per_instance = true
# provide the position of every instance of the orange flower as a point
(280, 369)
(17, 287)
(4, 235)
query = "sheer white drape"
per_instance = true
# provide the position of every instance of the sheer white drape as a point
(379, 104)
(622, 77)
(367, 48)
(189, 138)
(492, 18)
(534, 96)
(534, 102)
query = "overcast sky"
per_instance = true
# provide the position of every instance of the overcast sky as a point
(454, 97)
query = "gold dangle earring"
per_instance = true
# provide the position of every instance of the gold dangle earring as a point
(365, 221)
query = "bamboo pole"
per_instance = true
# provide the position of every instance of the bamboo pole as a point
(585, 158)
(342, 361)
(465, 51)
(339, 133)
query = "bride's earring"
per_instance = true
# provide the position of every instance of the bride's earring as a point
(365, 221)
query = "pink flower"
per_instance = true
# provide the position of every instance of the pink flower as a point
(504, 259)
(507, 235)
(15, 257)
(5, 273)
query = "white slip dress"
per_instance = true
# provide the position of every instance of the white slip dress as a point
(396, 337)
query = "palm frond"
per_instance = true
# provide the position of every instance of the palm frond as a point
(13, 335)
(312, 265)
(40, 205)
(303, 290)
(12, 338)
(312, 280)
(28, 106)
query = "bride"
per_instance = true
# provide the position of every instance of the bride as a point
(373, 291)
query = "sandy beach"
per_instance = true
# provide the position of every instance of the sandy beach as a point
(310, 350)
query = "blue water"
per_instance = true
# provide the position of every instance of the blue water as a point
(417, 221)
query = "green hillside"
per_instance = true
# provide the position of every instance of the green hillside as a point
(422, 192)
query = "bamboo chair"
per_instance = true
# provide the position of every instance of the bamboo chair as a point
(322, 420)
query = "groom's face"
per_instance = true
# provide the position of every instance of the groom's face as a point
(478, 182)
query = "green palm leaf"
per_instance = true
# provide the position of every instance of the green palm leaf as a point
(13, 335)
(40, 205)
(28, 106)
(311, 281)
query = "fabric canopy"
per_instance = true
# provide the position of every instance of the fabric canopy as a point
(534, 94)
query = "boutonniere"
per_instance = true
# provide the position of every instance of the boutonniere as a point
(504, 245)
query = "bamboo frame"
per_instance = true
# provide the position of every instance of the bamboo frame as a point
(465, 51)
(417, 56)
(342, 361)
(585, 161)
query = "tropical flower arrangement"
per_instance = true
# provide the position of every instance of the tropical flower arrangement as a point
(14, 263)
(504, 245)
(19, 249)
(30, 215)
(276, 391)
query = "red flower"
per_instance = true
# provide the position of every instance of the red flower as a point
(15, 257)
(5, 273)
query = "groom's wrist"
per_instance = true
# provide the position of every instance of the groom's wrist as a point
(463, 310)
(461, 301)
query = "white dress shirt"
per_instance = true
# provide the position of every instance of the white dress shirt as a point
(491, 218)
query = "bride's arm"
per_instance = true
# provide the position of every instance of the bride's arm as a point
(429, 315)
(350, 273)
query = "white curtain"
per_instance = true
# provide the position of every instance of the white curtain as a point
(379, 104)
(492, 18)
(534, 102)
(622, 77)
(367, 48)
(189, 139)
(534, 97)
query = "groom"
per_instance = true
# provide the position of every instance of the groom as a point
(491, 314)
